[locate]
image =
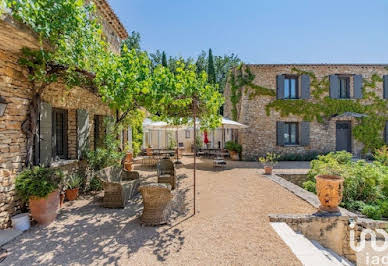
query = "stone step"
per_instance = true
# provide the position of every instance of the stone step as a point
(7, 235)
(307, 251)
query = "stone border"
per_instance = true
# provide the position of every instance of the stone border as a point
(304, 194)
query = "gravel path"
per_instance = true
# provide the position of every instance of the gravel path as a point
(231, 226)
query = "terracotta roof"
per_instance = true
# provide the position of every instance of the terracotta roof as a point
(322, 64)
(110, 16)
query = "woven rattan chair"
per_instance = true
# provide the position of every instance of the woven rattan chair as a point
(156, 201)
(119, 186)
(166, 172)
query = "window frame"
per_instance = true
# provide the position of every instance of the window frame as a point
(347, 82)
(64, 131)
(288, 78)
(289, 142)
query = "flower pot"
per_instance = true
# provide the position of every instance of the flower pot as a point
(44, 210)
(72, 194)
(268, 170)
(128, 157)
(21, 222)
(234, 155)
(329, 191)
(128, 166)
(148, 151)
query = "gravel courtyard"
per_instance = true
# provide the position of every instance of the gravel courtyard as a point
(231, 225)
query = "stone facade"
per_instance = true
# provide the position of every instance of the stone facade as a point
(261, 136)
(15, 89)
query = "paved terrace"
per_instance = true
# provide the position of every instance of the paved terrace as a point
(231, 226)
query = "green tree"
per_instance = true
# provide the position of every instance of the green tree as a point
(211, 71)
(133, 41)
(164, 59)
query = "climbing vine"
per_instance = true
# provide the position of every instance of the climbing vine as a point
(321, 107)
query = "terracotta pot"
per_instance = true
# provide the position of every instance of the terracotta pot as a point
(128, 157)
(234, 155)
(148, 151)
(128, 166)
(268, 170)
(61, 199)
(329, 190)
(44, 210)
(72, 194)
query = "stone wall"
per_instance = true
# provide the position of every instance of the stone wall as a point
(260, 137)
(15, 89)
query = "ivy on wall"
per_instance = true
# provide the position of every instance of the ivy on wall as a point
(321, 107)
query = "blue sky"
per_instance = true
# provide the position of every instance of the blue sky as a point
(270, 31)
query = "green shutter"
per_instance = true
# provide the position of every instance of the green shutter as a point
(82, 132)
(305, 133)
(357, 86)
(386, 132)
(280, 87)
(280, 133)
(334, 86)
(45, 134)
(305, 86)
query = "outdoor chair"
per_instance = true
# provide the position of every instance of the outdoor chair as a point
(156, 201)
(166, 172)
(119, 186)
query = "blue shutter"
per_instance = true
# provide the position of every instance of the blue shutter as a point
(385, 85)
(305, 86)
(334, 86)
(82, 132)
(357, 86)
(280, 87)
(280, 133)
(45, 134)
(305, 133)
(386, 132)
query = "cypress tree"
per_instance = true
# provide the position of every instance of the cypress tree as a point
(164, 59)
(211, 72)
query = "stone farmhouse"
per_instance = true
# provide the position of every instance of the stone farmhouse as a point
(69, 119)
(290, 134)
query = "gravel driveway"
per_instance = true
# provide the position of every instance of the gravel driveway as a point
(231, 226)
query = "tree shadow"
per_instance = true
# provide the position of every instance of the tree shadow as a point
(85, 232)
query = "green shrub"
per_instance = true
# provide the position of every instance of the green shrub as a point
(37, 182)
(74, 180)
(381, 155)
(384, 208)
(372, 212)
(270, 159)
(95, 184)
(310, 186)
(233, 146)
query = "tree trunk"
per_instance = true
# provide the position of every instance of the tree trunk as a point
(30, 128)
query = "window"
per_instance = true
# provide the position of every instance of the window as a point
(187, 134)
(97, 131)
(344, 88)
(290, 133)
(290, 87)
(59, 133)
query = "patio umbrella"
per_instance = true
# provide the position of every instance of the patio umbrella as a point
(205, 139)
(228, 123)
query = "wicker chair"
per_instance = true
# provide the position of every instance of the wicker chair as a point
(119, 186)
(166, 172)
(156, 201)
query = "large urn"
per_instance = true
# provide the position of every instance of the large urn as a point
(329, 190)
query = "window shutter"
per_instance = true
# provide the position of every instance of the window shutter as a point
(280, 133)
(385, 84)
(305, 86)
(305, 133)
(45, 134)
(280, 87)
(130, 137)
(386, 132)
(82, 132)
(357, 86)
(334, 86)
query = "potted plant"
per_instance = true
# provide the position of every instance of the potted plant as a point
(234, 150)
(39, 186)
(149, 150)
(269, 161)
(73, 184)
(128, 161)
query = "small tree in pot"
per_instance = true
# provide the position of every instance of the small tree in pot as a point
(73, 184)
(269, 161)
(234, 149)
(39, 186)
